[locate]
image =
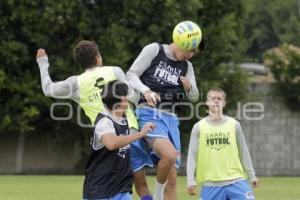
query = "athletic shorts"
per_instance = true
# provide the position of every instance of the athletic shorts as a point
(166, 127)
(240, 190)
(119, 196)
(140, 152)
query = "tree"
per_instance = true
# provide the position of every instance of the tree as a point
(121, 28)
(284, 62)
(268, 25)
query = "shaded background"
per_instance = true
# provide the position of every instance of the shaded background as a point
(236, 32)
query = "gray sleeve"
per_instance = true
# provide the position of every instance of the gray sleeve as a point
(244, 152)
(192, 155)
(139, 66)
(67, 89)
(193, 94)
(133, 95)
(104, 126)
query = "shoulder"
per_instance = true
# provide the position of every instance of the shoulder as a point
(72, 82)
(151, 48)
(234, 121)
(117, 69)
(153, 45)
(110, 72)
(104, 120)
(104, 123)
(238, 125)
(109, 68)
(203, 120)
(197, 125)
(72, 79)
(196, 130)
(190, 65)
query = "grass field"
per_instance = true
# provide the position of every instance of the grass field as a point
(70, 188)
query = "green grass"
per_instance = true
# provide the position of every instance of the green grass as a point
(70, 188)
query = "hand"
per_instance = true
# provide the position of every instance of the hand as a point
(186, 83)
(192, 190)
(255, 183)
(149, 126)
(41, 53)
(151, 97)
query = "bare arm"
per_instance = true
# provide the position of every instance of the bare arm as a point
(112, 141)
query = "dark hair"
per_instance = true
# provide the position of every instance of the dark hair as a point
(112, 93)
(202, 44)
(85, 53)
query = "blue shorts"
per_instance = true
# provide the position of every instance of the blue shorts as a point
(119, 196)
(240, 190)
(166, 127)
(140, 155)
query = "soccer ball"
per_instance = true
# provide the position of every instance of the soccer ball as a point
(187, 35)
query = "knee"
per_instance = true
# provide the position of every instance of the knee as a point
(170, 158)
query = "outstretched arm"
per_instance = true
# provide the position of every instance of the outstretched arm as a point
(112, 141)
(67, 89)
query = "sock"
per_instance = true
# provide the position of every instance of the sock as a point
(159, 191)
(147, 197)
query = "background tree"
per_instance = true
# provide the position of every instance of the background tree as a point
(121, 28)
(269, 28)
(269, 24)
(284, 62)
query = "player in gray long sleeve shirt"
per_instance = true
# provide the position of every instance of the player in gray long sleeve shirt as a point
(164, 76)
(218, 155)
(84, 88)
(194, 148)
(143, 62)
(69, 88)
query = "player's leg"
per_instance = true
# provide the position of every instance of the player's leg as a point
(158, 138)
(139, 159)
(170, 190)
(141, 186)
(174, 136)
(240, 190)
(167, 154)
